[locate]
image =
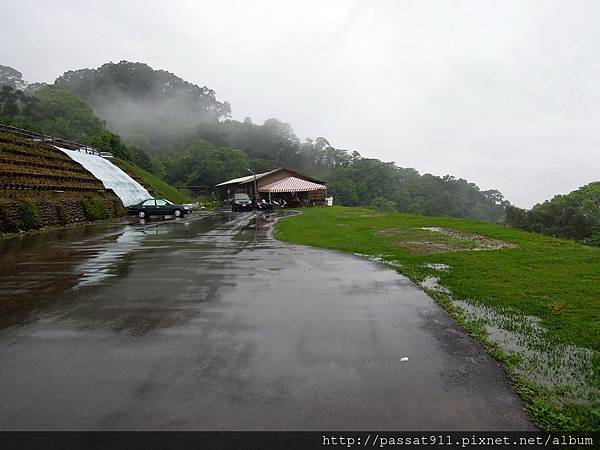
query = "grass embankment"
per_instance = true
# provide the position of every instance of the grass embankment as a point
(532, 300)
(162, 188)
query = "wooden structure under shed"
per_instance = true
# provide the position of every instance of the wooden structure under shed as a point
(279, 184)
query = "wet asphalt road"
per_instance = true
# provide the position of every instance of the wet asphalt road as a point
(209, 323)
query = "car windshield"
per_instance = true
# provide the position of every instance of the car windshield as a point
(242, 197)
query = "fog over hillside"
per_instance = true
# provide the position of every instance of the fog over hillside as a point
(501, 93)
(149, 108)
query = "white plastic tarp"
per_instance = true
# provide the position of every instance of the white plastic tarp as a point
(127, 189)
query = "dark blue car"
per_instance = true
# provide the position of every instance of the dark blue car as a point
(157, 207)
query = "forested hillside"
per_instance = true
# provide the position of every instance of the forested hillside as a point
(151, 109)
(572, 216)
(181, 133)
(56, 111)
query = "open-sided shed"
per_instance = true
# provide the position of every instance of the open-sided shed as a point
(283, 183)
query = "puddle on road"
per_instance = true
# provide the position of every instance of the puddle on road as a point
(101, 266)
(381, 259)
(57, 269)
(260, 226)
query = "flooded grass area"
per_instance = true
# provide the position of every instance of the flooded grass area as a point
(565, 369)
(531, 300)
(561, 376)
(439, 240)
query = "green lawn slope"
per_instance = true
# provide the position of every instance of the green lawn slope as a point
(534, 304)
(160, 187)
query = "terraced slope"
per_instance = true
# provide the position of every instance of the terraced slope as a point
(28, 165)
(39, 186)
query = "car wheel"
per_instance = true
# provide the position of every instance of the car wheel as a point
(177, 213)
(142, 214)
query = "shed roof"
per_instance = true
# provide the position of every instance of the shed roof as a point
(250, 178)
(292, 184)
(245, 179)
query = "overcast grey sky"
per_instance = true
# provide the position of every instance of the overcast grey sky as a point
(503, 93)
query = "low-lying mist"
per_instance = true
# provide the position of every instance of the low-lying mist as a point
(151, 109)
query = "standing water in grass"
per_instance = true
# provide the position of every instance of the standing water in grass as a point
(127, 189)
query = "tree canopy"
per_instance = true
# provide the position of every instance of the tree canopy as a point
(56, 111)
(151, 109)
(203, 164)
(385, 186)
(572, 216)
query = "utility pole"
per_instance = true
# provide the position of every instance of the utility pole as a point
(255, 188)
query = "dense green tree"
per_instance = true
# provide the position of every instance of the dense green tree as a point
(273, 140)
(203, 164)
(11, 77)
(55, 111)
(62, 113)
(573, 216)
(15, 107)
(383, 204)
(152, 109)
(368, 182)
(342, 186)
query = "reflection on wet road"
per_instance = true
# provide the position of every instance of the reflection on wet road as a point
(207, 322)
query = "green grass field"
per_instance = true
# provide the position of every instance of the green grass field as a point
(532, 300)
(164, 189)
